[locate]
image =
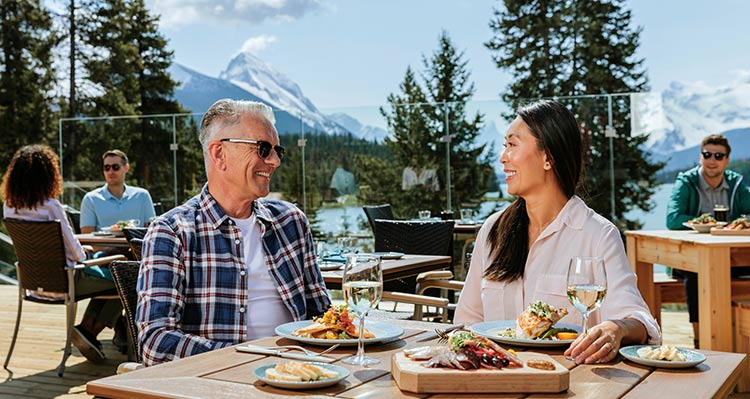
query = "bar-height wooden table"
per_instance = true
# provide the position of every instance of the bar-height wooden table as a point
(708, 255)
(226, 373)
(409, 265)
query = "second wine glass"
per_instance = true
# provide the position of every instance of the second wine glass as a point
(587, 285)
(363, 287)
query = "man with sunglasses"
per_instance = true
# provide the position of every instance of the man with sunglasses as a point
(228, 265)
(115, 201)
(695, 192)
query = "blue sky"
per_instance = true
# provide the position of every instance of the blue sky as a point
(352, 53)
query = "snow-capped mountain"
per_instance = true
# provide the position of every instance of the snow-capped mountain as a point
(370, 133)
(260, 79)
(681, 116)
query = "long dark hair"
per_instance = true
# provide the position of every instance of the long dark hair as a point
(558, 135)
(33, 177)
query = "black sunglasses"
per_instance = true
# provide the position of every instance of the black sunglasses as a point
(264, 147)
(717, 155)
(114, 166)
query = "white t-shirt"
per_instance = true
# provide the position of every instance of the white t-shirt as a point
(265, 309)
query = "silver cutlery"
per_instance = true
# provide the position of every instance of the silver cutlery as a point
(440, 333)
(308, 356)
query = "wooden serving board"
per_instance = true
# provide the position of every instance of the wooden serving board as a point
(730, 232)
(411, 376)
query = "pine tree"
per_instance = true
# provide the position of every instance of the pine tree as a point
(26, 75)
(420, 118)
(594, 53)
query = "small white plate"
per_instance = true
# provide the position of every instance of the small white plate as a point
(703, 227)
(260, 373)
(389, 255)
(492, 329)
(102, 233)
(383, 333)
(325, 265)
(692, 358)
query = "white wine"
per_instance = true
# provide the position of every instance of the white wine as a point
(361, 296)
(586, 297)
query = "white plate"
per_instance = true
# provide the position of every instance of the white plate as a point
(492, 329)
(326, 265)
(102, 233)
(389, 255)
(114, 232)
(692, 358)
(260, 373)
(703, 227)
(383, 333)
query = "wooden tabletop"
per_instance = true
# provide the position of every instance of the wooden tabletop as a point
(408, 265)
(226, 373)
(102, 240)
(690, 236)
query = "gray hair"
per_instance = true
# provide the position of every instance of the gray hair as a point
(227, 112)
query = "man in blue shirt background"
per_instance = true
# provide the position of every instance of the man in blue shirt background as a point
(115, 201)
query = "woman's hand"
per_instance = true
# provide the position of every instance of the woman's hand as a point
(599, 345)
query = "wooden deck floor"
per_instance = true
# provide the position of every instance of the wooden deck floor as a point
(42, 337)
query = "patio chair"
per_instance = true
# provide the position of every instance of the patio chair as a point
(125, 275)
(135, 235)
(418, 238)
(378, 212)
(42, 268)
(136, 247)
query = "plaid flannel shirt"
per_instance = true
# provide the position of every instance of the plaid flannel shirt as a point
(192, 285)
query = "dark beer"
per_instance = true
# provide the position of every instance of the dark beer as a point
(721, 213)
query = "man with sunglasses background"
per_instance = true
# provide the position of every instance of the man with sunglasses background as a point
(695, 192)
(228, 265)
(115, 201)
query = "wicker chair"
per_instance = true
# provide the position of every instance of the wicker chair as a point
(42, 267)
(378, 212)
(125, 275)
(135, 235)
(419, 238)
(136, 247)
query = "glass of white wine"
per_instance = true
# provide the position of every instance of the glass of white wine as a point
(587, 285)
(363, 288)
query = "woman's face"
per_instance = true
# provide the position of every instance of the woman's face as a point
(524, 164)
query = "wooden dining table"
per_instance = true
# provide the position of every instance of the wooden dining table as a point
(104, 240)
(710, 256)
(228, 374)
(393, 269)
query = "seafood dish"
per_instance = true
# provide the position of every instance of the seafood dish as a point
(465, 351)
(336, 323)
(742, 223)
(705, 218)
(537, 322)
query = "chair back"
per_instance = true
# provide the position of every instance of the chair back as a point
(125, 276)
(74, 217)
(41, 257)
(136, 247)
(378, 212)
(134, 232)
(417, 238)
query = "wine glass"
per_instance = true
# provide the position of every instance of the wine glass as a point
(345, 244)
(587, 285)
(363, 288)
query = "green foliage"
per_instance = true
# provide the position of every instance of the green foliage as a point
(419, 118)
(557, 48)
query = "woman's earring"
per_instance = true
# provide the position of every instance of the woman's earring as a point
(546, 165)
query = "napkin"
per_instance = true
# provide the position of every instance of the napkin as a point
(335, 258)
(280, 353)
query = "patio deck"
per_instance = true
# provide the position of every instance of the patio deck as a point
(41, 339)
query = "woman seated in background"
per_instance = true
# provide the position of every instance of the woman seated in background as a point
(29, 189)
(522, 253)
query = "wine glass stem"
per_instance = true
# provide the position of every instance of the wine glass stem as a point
(361, 338)
(585, 328)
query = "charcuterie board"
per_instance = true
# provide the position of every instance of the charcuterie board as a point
(411, 376)
(730, 232)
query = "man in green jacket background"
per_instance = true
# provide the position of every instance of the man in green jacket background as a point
(696, 192)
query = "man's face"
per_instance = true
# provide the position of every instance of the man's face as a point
(713, 168)
(245, 170)
(114, 170)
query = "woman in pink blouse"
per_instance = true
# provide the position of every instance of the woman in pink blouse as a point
(30, 187)
(522, 253)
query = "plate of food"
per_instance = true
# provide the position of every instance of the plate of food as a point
(301, 375)
(665, 356)
(737, 227)
(389, 255)
(337, 327)
(535, 326)
(703, 223)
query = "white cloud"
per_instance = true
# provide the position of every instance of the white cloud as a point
(256, 44)
(175, 13)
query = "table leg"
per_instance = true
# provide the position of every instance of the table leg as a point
(715, 298)
(645, 276)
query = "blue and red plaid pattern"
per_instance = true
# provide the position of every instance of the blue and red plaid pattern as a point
(192, 285)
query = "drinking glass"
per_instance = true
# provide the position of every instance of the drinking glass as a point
(345, 244)
(466, 215)
(134, 222)
(587, 285)
(363, 288)
(721, 213)
(424, 215)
